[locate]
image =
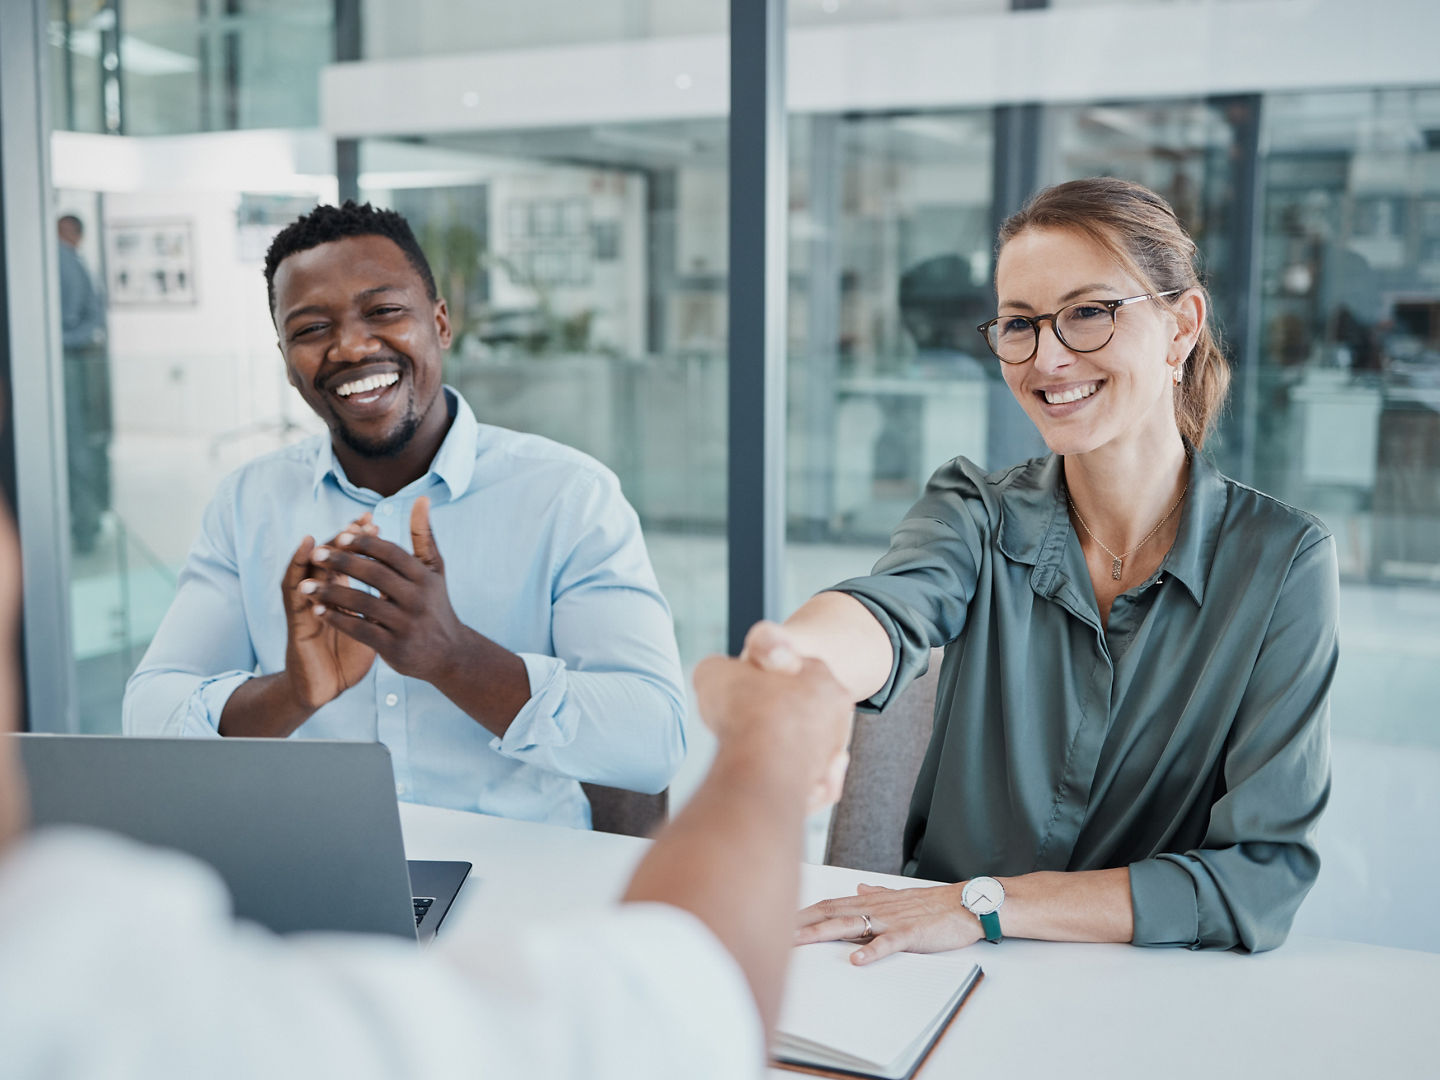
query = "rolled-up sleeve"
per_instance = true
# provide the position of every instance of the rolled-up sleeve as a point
(608, 706)
(920, 589)
(1243, 886)
(202, 650)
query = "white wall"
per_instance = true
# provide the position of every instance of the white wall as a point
(209, 369)
(255, 161)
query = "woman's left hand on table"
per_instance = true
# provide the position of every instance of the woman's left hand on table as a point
(929, 919)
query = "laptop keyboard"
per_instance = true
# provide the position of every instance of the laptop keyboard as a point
(422, 905)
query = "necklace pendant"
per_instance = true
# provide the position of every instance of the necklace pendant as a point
(1115, 569)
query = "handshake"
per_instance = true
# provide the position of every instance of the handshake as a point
(782, 704)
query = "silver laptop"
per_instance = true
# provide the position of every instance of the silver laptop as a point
(306, 833)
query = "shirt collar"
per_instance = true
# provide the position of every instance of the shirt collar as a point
(1200, 520)
(1032, 510)
(1035, 523)
(453, 464)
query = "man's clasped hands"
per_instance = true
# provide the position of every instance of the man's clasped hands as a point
(358, 596)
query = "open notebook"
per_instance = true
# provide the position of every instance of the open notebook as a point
(875, 1021)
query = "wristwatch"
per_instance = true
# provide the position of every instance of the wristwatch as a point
(982, 897)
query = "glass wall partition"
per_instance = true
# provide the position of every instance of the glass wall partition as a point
(165, 67)
(890, 251)
(1348, 384)
(82, 64)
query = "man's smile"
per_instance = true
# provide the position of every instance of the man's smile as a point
(366, 383)
(365, 390)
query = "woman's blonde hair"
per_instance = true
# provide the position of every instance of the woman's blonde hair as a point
(1140, 230)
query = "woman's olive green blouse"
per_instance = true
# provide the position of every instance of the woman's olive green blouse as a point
(1188, 740)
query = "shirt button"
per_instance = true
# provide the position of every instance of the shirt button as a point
(400, 789)
(386, 508)
(392, 699)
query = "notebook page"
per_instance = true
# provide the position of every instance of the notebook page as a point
(874, 1012)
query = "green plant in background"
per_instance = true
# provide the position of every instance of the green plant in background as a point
(574, 335)
(459, 261)
(455, 253)
(541, 331)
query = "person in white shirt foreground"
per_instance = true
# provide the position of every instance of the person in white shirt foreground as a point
(118, 960)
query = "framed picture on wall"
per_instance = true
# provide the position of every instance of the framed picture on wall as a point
(150, 262)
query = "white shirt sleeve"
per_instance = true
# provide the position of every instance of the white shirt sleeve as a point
(121, 961)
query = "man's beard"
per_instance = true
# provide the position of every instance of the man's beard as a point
(391, 444)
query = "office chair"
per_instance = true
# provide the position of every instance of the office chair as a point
(628, 813)
(867, 826)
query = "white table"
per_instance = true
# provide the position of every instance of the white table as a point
(1313, 1008)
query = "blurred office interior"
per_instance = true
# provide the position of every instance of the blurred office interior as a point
(564, 163)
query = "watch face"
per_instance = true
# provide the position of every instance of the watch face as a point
(983, 895)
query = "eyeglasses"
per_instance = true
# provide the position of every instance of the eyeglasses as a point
(1082, 327)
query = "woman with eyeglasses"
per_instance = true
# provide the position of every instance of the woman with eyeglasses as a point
(1131, 738)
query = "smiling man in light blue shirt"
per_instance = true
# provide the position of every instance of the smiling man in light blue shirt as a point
(483, 604)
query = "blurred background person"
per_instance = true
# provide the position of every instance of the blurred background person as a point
(88, 423)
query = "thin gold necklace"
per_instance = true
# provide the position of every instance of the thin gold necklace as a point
(1117, 563)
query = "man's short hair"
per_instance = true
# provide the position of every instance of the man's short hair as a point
(73, 221)
(327, 223)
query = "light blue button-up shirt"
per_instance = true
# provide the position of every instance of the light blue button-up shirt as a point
(543, 555)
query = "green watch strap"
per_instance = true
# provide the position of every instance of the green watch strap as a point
(991, 925)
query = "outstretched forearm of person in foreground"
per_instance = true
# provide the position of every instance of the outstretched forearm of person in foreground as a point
(731, 857)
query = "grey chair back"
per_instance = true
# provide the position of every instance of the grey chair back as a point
(867, 826)
(629, 813)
